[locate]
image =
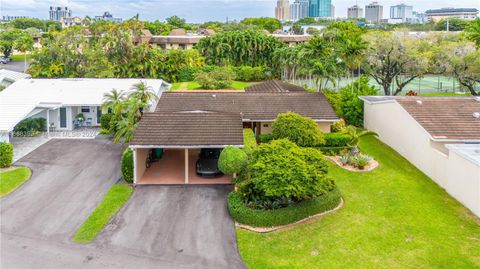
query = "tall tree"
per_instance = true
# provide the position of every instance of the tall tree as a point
(394, 60)
(24, 43)
(472, 32)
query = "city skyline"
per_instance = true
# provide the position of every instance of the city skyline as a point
(205, 10)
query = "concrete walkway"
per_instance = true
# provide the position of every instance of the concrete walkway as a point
(24, 145)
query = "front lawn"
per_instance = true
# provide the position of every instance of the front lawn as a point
(12, 179)
(393, 217)
(115, 198)
(192, 85)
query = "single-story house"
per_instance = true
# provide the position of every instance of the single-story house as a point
(185, 122)
(439, 135)
(7, 77)
(59, 101)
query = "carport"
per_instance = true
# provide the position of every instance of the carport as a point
(181, 135)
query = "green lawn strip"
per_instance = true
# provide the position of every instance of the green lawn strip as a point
(115, 198)
(12, 179)
(20, 57)
(192, 85)
(393, 217)
(445, 94)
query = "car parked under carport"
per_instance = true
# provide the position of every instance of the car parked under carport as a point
(182, 135)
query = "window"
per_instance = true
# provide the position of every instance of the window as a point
(85, 109)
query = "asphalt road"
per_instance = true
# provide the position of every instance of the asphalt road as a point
(160, 227)
(185, 225)
(17, 66)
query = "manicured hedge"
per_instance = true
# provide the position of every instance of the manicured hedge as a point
(30, 127)
(265, 138)
(283, 216)
(249, 141)
(6, 154)
(335, 143)
(127, 165)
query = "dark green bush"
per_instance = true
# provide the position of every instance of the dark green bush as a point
(232, 160)
(301, 130)
(352, 106)
(283, 216)
(249, 141)
(6, 154)
(127, 165)
(105, 121)
(265, 138)
(249, 73)
(30, 127)
(337, 140)
(188, 73)
(281, 169)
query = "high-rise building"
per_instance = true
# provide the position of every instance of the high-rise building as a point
(11, 18)
(56, 13)
(401, 13)
(419, 17)
(282, 10)
(320, 8)
(373, 12)
(299, 10)
(355, 12)
(332, 11)
(461, 13)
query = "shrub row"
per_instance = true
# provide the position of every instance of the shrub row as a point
(31, 127)
(249, 141)
(335, 143)
(6, 154)
(242, 73)
(127, 165)
(283, 216)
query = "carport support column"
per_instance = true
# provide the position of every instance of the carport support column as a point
(186, 166)
(48, 123)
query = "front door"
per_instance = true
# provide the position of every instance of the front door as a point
(99, 114)
(63, 117)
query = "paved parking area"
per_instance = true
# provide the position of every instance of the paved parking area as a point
(184, 225)
(160, 226)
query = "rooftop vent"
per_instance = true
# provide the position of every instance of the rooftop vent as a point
(419, 102)
(214, 95)
(477, 98)
(476, 115)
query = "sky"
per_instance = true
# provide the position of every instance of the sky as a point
(197, 10)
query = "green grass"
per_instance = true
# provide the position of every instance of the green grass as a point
(115, 198)
(393, 217)
(20, 57)
(12, 179)
(445, 94)
(192, 85)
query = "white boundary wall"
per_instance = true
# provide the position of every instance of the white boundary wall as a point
(459, 176)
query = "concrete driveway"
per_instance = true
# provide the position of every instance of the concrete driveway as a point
(187, 226)
(69, 179)
(160, 227)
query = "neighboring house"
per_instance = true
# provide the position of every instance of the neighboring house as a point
(439, 135)
(59, 101)
(8, 77)
(185, 122)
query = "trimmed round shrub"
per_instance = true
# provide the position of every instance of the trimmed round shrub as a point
(301, 130)
(127, 165)
(281, 169)
(232, 160)
(241, 213)
(6, 154)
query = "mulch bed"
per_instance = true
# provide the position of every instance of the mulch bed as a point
(370, 166)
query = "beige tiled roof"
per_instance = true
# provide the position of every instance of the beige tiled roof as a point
(445, 117)
(189, 129)
(252, 106)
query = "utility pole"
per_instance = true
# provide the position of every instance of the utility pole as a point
(448, 25)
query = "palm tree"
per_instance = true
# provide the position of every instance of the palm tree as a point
(125, 127)
(24, 43)
(356, 133)
(114, 101)
(144, 94)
